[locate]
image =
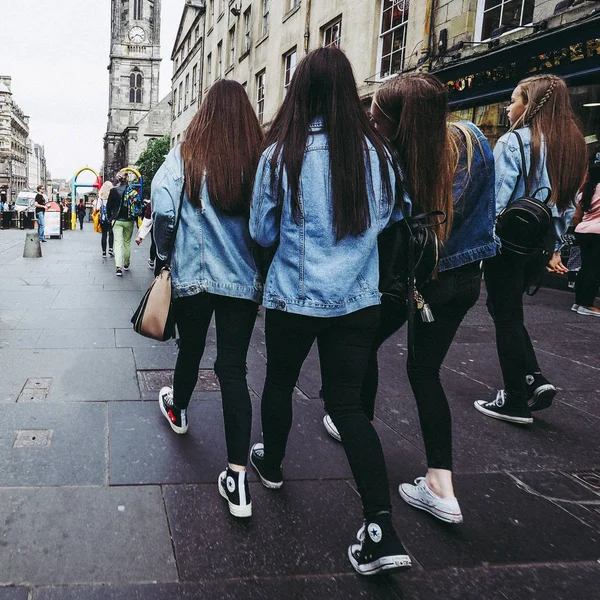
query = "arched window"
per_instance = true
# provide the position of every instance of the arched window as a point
(135, 87)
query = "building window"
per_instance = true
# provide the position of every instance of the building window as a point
(219, 59)
(392, 42)
(221, 7)
(174, 107)
(508, 14)
(289, 66)
(187, 91)
(189, 44)
(294, 4)
(247, 30)
(209, 69)
(177, 61)
(332, 35)
(260, 96)
(194, 82)
(196, 33)
(180, 98)
(135, 87)
(137, 10)
(231, 46)
(265, 17)
(212, 13)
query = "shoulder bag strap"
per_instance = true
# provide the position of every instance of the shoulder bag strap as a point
(168, 261)
(525, 171)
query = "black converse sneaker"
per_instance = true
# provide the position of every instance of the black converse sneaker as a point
(540, 392)
(271, 478)
(177, 418)
(497, 409)
(233, 486)
(378, 550)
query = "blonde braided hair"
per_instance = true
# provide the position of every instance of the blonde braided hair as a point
(553, 81)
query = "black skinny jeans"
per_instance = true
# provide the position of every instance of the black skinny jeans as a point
(234, 320)
(588, 278)
(107, 231)
(450, 297)
(344, 344)
(506, 279)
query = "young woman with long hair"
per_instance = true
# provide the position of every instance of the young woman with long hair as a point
(324, 190)
(587, 233)
(213, 267)
(100, 207)
(540, 113)
(448, 166)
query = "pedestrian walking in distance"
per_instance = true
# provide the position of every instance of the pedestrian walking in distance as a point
(213, 267)
(101, 206)
(122, 223)
(555, 157)
(80, 211)
(324, 191)
(587, 233)
(40, 211)
(412, 111)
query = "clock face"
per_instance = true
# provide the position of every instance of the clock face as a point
(137, 35)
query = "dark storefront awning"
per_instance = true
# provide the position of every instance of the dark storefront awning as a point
(572, 52)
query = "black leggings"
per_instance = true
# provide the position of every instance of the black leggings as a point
(107, 232)
(588, 279)
(450, 297)
(344, 344)
(234, 320)
(506, 278)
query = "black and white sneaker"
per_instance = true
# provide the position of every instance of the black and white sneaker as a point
(378, 550)
(233, 486)
(111, 252)
(104, 255)
(151, 263)
(540, 392)
(497, 409)
(119, 272)
(177, 418)
(331, 429)
(271, 478)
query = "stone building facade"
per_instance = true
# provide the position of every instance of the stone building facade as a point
(133, 83)
(37, 172)
(14, 131)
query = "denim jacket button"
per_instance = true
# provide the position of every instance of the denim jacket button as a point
(193, 288)
(282, 305)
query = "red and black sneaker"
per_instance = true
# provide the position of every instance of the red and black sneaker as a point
(177, 417)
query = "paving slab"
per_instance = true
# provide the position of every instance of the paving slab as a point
(290, 532)
(77, 339)
(325, 587)
(157, 355)
(14, 593)
(85, 375)
(27, 298)
(76, 318)
(10, 319)
(503, 524)
(93, 298)
(76, 454)
(98, 535)
(128, 338)
(16, 338)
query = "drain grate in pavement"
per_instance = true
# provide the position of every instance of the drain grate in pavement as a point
(35, 389)
(33, 438)
(153, 381)
(590, 478)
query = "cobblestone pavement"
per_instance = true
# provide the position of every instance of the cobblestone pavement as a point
(100, 500)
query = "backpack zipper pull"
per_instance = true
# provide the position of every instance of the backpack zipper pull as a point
(423, 308)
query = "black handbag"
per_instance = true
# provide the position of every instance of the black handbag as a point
(154, 318)
(408, 259)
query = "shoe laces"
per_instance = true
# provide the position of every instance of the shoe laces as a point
(168, 399)
(499, 400)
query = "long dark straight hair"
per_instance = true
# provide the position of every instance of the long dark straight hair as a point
(549, 114)
(324, 86)
(589, 187)
(222, 143)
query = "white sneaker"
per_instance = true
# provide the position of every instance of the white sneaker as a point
(582, 310)
(331, 428)
(421, 496)
(575, 307)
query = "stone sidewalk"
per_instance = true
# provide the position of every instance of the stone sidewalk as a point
(100, 500)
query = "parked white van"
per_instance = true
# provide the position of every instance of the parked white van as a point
(25, 201)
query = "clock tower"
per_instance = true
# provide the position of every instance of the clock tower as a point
(133, 76)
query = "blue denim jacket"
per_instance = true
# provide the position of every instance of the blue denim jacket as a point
(213, 249)
(507, 157)
(312, 273)
(472, 237)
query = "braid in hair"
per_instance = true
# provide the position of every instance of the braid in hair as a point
(545, 98)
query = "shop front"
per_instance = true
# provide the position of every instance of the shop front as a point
(480, 87)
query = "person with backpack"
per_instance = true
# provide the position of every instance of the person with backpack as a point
(200, 207)
(103, 220)
(587, 234)
(412, 112)
(543, 156)
(122, 219)
(324, 191)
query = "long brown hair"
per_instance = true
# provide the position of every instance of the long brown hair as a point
(323, 86)
(417, 105)
(549, 114)
(222, 144)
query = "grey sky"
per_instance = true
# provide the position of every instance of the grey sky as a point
(56, 52)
